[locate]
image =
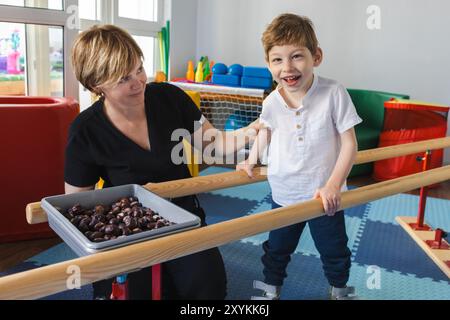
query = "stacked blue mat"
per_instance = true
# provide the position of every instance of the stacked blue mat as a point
(238, 76)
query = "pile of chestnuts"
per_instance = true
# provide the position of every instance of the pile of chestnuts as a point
(124, 217)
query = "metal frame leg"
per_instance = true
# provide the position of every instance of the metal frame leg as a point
(157, 282)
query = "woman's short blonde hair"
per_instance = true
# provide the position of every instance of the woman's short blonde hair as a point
(104, 54)
(290, 29)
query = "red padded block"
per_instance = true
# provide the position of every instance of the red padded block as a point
(33, 136)
(407, 121)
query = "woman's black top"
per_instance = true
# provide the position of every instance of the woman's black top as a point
(96, 148)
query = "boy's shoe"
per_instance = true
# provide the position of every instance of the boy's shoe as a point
(347, 293)
(270, 292)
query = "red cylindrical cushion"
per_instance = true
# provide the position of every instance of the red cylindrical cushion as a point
(407, 125)
(33, 135)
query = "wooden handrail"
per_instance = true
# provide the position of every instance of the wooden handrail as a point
(172, 189)
(399, 150)
(52, 279)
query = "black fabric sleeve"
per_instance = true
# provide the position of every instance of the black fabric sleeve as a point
(80, 169)
(190, 113)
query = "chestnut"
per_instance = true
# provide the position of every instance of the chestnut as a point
(124, 217)
(130, 222)
(112, 230)
(160, 224)
(97, 235)
(113, 221)
(99, 225)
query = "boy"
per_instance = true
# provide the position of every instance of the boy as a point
(312, 148)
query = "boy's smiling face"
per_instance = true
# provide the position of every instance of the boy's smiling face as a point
(293, 67)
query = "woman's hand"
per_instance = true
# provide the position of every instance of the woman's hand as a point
(331, 199)
(247, 167)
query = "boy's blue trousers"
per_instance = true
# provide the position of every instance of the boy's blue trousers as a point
(330, 238)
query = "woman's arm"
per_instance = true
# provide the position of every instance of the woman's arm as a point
(71, 189)
(229, 142)
(261, 143)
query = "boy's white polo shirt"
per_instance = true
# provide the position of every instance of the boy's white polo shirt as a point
(305, 142)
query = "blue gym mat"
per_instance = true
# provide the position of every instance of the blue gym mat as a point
(378, 244)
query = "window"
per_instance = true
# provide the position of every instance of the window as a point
(12, 56)
(141, 18)
(33, 40)
(31, 59)
(139, 9)
(48, 4)
(36, 37)
(90, 9)
(147, 44)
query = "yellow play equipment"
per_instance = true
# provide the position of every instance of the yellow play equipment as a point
(190, 152)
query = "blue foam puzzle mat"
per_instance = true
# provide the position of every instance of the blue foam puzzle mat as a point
(375, 240)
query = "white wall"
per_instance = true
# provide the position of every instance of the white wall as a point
(183, 34)
(410, 54)
(411, 50)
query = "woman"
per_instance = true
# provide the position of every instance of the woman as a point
(126, 137)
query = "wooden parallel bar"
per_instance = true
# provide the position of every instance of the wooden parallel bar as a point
(439, 256)
(52, 279)
(172, 189)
